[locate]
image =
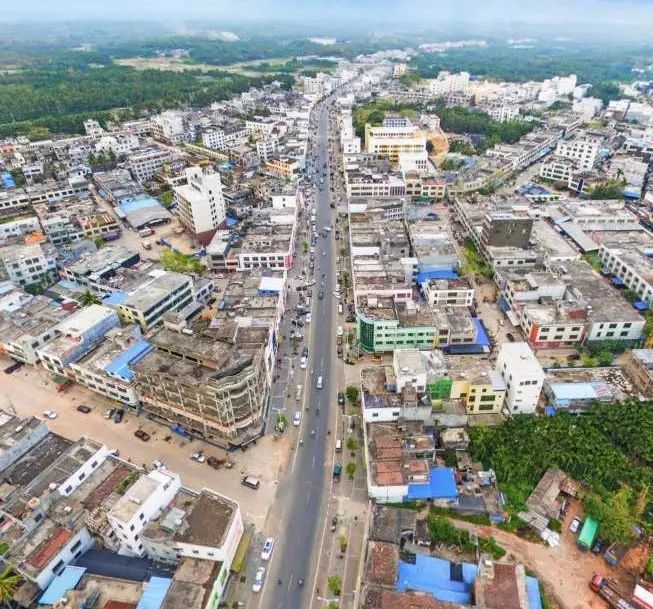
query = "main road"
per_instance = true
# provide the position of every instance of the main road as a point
(299, 510)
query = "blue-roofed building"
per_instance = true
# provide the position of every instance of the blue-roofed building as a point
(106, 370)
(66, 580)
(143, 211)
(154, 593)
(577, 396)
(440, 487)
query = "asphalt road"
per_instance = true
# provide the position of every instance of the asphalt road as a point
(301, 498)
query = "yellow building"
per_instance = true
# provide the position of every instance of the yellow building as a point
(480, 388)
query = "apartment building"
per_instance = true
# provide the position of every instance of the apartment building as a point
(454, 292)
(29, 264)
(18, 228)
(390, 142)
(159, 292)
(213, 382)
(478, 386)
(106, 369)
(145, 162)
(522, 375)
(19, 198)
(168, 126)
(630, 263)
(200, 203)
(368, 184)
(638, 365)
(559, 169)
(75, 336)
(266, 147)
(283, 166)
(119, 144)
(582, 150)
(143, 501)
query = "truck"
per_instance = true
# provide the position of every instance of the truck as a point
(609, 592)
(588, 534)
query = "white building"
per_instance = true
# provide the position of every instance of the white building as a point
(29, 264)
(587, 107)
(142, 502)
(391, 141)
(214, 139)
(583, 150)
(522, 375)
(266, 147)
(558, 169)
(448, 83)
(93, 128)
(631, 263)
(118, 143)
(168, 125)
(200, 202)
(18, 228)
(145, 162)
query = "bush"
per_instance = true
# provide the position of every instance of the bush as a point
(351, 469)
(555, 525)
(352, 395)
(334, 583)
(352, 443)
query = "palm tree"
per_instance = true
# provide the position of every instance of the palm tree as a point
(88, 298)
(8, 584)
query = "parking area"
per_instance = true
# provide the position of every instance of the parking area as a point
(30, 391)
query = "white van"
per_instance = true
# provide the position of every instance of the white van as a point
(251, 482)
(319, 382)
(338, 446)
(340, 331)
(340, 308)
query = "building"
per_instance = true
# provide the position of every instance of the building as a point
(144, 501)
(29, 264)
(75, 336)
(389, 142)
(630, 262)
(200, 203)
(213, 383)
(638, 365)
(582, 150)
(168, 126)
(18, 436)
(523, 377)
(456, 292)
(161, 291)
(145, 162)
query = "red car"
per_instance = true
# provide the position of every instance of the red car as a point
(142, 435)
(84, 409)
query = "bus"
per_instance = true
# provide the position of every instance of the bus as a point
(588, 534)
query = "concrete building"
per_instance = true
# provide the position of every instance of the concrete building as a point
(638, 365)
(522, 375)
(75, 336)
(18, 436)
(145, 162)
(212, 382)
(630, 262)
(145, 500)
(168, 126)
(582, 150)
(161, 291)
(29, 264)
(200, 203)
(389, 142)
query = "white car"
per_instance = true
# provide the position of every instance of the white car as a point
(157, 464)
(308, 318)
(258, 579)
(575, 524)
(268, 546)
(302, 363)
(297, 419)
(49, 414)
(199, 457)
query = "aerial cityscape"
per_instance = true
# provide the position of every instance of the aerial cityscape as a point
(326, 305)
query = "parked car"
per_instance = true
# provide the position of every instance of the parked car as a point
(83, 408)
(142, 435)
(258, 579)
(49, 414)
(510, 337)
(109, 413)
(320, 295)
(339, 351)
(305, 352)
(13, 367)
(118, 415)
(268, 547)
(158, 464)
(198, 456)
(341, 398)
(297, 419)
(574, 525)
(337, 470)
(302, 363)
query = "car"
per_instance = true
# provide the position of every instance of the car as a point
(83, 408)
(297, 419)
(320, 295)
(142, 435)
(268, 547)
(109, 413)
(305, 350)
(118, 415)
(258, 579)
(158, 464)
(13, 367)
(49, 414)
(341, 398)
(510, 337)
(302, 363)
(198, 456)
(339, 351)
(574, 525)
(337, 471)
(308, 319)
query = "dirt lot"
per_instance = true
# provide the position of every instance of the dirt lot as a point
(30, 391)
(566, 570)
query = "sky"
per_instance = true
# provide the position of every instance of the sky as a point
(364, 13)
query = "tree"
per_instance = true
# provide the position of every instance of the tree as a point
(334, 583)
(177, 262)
(351, 469)
(352, 394)
(8, 585)
(305, 245)
(352, 443)
(616, 514)
(342, 542)
(332, 605)
(88, 298)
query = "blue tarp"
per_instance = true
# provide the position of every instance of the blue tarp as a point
(154, 593)
(231, 222)
(441, 485)
(503, 304)
(482, 337)
(433, 575)
(120, 366)
(640, 305)
(533, 591)
(66, 580)
(115, 299)
(436, 274)
(8, 180)
(549, 411)
(617, 281)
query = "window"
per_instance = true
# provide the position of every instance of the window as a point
(75, 546)
(132, 528)
(68, 488)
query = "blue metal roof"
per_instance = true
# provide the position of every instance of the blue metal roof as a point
(154, 594)
(115, 299)
(533, 591)
(120, 366)
(66, 580)
(441, 485)
(131, 204)
(434, 575)
(437, 274)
